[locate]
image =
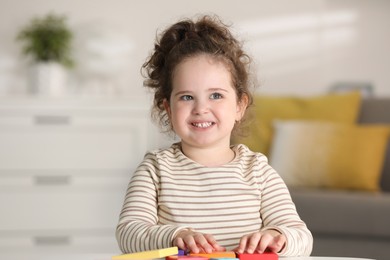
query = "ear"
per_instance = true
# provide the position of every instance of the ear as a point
(167, 107)
(242, 104)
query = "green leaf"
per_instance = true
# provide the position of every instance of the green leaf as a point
(47, 38)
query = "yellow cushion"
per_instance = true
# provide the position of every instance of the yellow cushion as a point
(342, 108)
(329, 155)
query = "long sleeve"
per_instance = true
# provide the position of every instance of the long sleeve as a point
(169, 192)
(138, 228)
(278, 212)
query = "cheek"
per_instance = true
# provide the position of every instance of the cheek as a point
(177, 113)
(231, 109)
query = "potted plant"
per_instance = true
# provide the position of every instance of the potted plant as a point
(47, 40)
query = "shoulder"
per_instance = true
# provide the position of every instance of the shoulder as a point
(166, 156)
(243, 152)
(156, 161)
(254, 163)
(165, 153)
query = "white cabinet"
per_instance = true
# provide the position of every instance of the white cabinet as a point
(64, 169)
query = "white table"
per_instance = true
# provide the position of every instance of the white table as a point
(51, 256)
(323, 258)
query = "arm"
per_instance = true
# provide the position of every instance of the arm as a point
(279, 213)
(138, 228)
(282, 231)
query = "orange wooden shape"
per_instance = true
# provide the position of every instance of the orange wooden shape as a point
(228, 254)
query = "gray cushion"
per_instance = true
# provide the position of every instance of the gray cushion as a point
(377, 111)
(344, 212)
(385, 179)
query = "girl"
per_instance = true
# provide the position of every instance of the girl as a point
(202, 194)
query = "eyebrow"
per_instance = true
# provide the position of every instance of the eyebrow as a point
(218, 89)
(210, 90)
(184, 92)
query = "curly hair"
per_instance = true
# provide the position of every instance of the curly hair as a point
(188, 38)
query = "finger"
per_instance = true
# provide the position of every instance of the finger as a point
(191, 244)
(180, 243)
(264, 243)
(242, 244)
(253, 242)
(201, 240)
(272, 243)
(211, 240)
(201, 250)
(277, 244)
(220, 248)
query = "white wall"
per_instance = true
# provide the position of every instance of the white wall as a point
(300, 47)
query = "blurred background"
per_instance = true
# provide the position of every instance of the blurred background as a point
(300, 47)
(66, 155)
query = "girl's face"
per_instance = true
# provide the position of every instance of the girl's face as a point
(203, 106)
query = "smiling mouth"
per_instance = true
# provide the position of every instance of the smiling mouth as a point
(203, 125)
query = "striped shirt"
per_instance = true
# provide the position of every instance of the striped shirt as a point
(170, 192)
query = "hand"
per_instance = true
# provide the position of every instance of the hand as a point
(258, 242)
(196, 242)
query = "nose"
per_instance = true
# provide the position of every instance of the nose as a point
(200, 107)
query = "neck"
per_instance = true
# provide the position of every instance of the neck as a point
(209, 157)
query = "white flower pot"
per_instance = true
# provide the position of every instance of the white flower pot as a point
(48, 79)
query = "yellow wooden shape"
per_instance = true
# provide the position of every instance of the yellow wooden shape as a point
(148, 254)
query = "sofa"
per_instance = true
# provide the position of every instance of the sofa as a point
(351, 223)
(333, 152)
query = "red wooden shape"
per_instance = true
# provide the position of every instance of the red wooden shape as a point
(256, 256)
